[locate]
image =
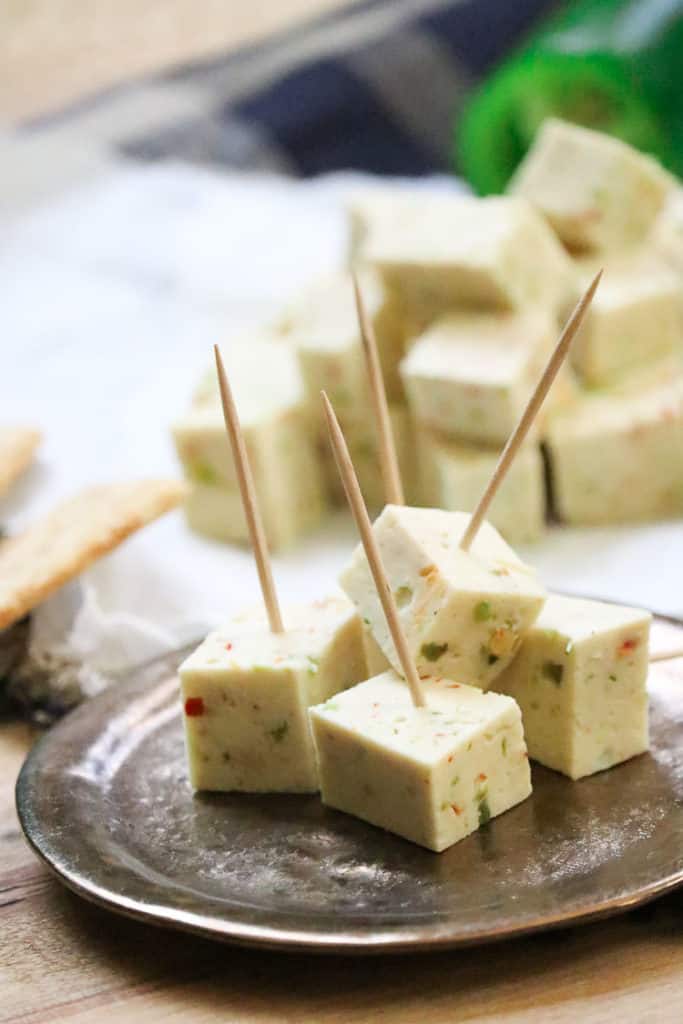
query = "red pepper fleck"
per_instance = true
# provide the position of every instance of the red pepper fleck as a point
(228, 647)
(456, 809)
(194, 706)
(481, 777)
(453, 686)
(450, 758)
(627, 647)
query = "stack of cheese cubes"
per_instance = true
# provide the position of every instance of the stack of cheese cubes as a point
(616, 451)
(465, 296)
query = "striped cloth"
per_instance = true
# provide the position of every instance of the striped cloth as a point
(376, 87)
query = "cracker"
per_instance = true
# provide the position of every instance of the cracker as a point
(17, 445)
(74, 535)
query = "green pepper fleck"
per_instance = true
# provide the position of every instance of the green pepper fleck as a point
(553, 671)
(403, 596)
(455, 780)
(432, 651)
(330, 706)
(279, 732)
(482, 611)
(203, 473)
(613, 678)
(482, 800)
(504, 746)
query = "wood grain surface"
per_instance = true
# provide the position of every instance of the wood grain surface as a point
(62, 959)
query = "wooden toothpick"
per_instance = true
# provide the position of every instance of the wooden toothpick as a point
(249, 500)
(667, 655)
(529, 415)
(360, 514)
(391, 474)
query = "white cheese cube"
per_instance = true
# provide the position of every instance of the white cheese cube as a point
(360, 433)
(246, 692)
(280, 443)
(455, 476)
(596, 191)
(580, 680)
(322, 325)
(666, 237)
(471, 375)
(463, 612)
(432, 775)
(635, 318)
(458, 251)
(375, 659)
(619, 457)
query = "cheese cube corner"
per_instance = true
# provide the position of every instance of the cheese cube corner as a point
(463, 612)
(580, 680)
(268, 391)
(246, 692)
(454, 476)
(432, 775)
(618, 457)
(470, 376)
(597, 192)
(450, 252)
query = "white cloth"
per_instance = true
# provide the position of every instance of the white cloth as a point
(111, 297)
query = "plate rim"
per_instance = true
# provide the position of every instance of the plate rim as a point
(289, 939)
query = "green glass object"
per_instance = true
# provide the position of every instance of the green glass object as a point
(613, 65)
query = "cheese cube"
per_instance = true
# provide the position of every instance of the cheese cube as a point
(458, 251)
(470, 375)
(455, 476)
(432, 775)
(635, 318)
(375, 659)
(618, 457)
(666, 237)
(246, 692)
(596, 191)
(463, 612)
(580, 680)
(360, 434)
(322, 325)
(268, 391)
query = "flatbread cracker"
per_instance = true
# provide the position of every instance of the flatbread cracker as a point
(17, 445)
(74, 535)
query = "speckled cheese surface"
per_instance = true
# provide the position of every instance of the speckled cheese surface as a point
(494, 253)
(635, 318)
(432, 775)
(322, 326)
(619, 457)
(455, 475)
(279, 443)
(596, 191)
(463, 613)
(471, 375)
(246, 691)
(580, 680)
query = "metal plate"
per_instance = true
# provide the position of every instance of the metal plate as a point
(104, 800)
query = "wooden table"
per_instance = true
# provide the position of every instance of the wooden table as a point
(62, 959)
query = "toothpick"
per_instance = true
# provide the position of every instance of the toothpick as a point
(391, 474)
(360, 514)
(250, 504)
(666, 655)
(534, 404)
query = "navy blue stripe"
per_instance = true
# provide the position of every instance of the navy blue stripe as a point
(481, 32)
(326, 118)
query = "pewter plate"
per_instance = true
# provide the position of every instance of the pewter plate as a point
(104, 799)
